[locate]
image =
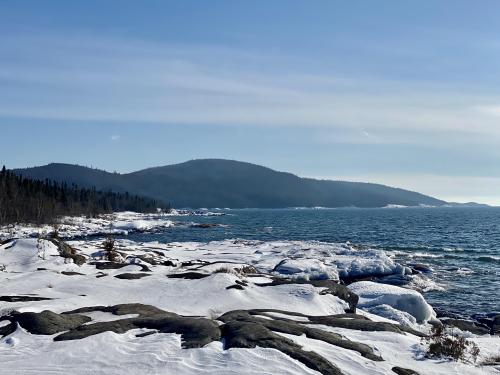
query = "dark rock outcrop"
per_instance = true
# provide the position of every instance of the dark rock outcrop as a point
(467, 325)
(242, 334)
(196, 332)
(239, 329)
(72, 273)
(293, 327)
(404, 371)
(48, 322)
(23, 298)
(104, 265)
(188, 275)
(132, 276)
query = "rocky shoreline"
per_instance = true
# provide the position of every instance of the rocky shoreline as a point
(307, 307)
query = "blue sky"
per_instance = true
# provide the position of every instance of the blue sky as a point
(395, 92)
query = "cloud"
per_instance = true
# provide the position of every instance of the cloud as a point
(88, 78)
(114, 137)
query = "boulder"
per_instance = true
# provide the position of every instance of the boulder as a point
(48, 322)
(467, 325)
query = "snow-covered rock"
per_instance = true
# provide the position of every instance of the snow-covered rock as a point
(307, 269)
(393, 302)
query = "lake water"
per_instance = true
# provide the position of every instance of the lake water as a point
(461, 245)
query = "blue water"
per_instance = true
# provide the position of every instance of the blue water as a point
(461, 245)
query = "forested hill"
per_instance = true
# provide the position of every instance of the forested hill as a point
(36, 201)
(233, 184)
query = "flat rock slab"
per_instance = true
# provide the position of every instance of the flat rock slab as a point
(116, 265)
(404, 371)
(239, 329)
(240, 334)
(188, 275)
(48, 322)
(132, 276)
(23, 298)
(71, 273)
(196, 332)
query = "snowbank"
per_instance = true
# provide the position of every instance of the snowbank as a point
(404, 305)
(35, 269)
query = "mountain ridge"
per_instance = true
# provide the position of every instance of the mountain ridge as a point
(232, 184)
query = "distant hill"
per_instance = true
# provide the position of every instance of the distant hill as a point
(233, 184)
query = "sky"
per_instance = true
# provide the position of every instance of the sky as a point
(403, 93)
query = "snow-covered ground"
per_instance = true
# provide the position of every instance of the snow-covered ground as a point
(120, 223)
(209, 280)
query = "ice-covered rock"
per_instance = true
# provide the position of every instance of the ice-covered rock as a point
(381, 299)
(307, 269)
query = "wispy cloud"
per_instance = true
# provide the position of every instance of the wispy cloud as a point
(114, 137)
(107, 79)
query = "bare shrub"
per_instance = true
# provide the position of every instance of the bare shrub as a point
(443, 345)
(55, 231)
(109, 248)
(224, 270)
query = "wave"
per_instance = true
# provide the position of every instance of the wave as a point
(488, 259)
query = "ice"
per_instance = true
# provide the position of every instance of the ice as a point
(377, 298)
(34, 268)
(307, 269)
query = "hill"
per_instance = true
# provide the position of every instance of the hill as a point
(233, 184)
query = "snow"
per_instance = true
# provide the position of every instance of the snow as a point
(33, 267)
(119, 223)
(307, 269)
(393, 302)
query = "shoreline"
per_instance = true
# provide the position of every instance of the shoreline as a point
(286, 286)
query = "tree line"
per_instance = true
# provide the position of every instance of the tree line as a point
(25, 200)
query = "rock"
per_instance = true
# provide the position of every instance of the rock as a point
(421, 268)
(361, 324)
(204, 225)
(131, 276)
(71, 273)
(7, 241)
(66, 251)
(188, 275)
(147, 258)
(235, 286)
(331, 287)
(495, 329)
(467, 325)
(404, 371)
(292, 327)
(104, 265)
(48, 322)
(144, 334)
(123, 309)
(168, 263)
(440, 313)
(7, 329)
(196, 332)
(239, 334)
(23, 298)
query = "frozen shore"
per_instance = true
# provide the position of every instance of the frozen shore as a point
(225, 307)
